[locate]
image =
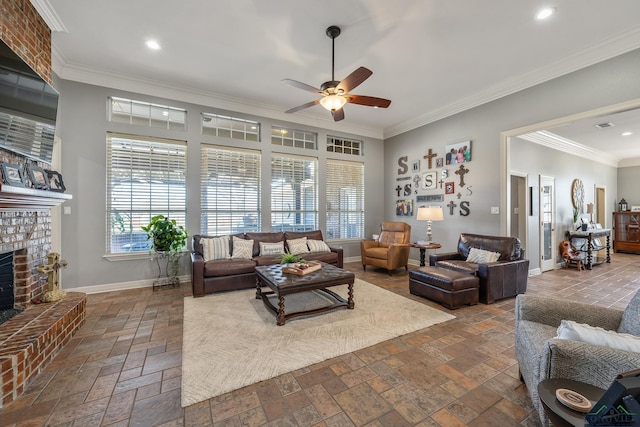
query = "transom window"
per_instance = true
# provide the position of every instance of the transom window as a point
(294, 201)
(294, 138)
(230, 127)
(145, 177)
(345, 200)
(147, 114)
(337, 144)
(230, 196)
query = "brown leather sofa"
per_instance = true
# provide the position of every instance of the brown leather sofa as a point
(232, 274)
(391, 250)
(507, 277)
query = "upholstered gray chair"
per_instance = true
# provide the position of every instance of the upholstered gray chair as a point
(541, 356)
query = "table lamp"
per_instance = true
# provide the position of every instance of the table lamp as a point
(590, 212)
(429, 214)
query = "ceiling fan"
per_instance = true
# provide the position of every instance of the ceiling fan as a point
(336, 94)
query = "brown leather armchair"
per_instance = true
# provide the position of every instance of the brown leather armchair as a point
(391, 250)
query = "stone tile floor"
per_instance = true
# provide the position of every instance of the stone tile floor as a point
(123, 367)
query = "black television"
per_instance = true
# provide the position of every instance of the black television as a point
(28, 108)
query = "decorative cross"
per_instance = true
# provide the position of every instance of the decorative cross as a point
(417, 179)
(459, 196)
(462, 171)
(430, 156)
(398, 190)
(54, 264)
(451, 205)
(440, 182)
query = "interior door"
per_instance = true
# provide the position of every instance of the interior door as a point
(547, 223)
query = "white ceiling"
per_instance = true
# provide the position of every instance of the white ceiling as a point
(432, 58)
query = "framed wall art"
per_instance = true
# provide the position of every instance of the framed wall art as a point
(38, 177)
(55, 181)
(416, 166)
(458, 153)
(404, 207)
(12, 175)
(430, 181)
(449, 187)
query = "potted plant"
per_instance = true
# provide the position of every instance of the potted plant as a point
(168, 238)
(287, 258)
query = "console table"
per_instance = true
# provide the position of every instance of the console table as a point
(590, 245)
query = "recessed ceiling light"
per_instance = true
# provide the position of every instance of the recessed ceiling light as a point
(627, 133)
(545, 13)
(152, 44)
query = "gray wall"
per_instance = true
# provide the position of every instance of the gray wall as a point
(82, 128)
(628, 188)
(600, 85)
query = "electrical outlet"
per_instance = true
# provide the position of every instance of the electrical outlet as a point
(516, 211)
(495, 210)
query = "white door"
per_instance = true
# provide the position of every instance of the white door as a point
(547, 223)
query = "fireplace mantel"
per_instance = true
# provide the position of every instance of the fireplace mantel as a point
(19, 198)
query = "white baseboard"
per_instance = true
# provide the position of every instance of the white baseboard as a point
(121, 286)
(535, 272)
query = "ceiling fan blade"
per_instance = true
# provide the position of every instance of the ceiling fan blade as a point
(354, 79)
(301, 85)
(370, 101)
(338, 115)
(302, 107)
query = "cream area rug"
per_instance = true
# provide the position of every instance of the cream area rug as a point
(231, 340)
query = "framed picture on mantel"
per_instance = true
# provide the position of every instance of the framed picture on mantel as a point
(38, 177)
(12, 175)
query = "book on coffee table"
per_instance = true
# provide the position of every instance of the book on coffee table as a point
(302, 269)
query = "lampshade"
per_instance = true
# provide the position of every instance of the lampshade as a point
(590, 208)
(431, 213)
(333, 102)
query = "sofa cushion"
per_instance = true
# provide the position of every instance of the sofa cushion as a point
(630, 323)
(265, 237)
(458, 265)
(377, 252)
(480, 256)
(228, 267)
(318, 246)
(242, 249)
(570, 330)
(315, 235)
(276, 248)
(298, 246)
(328, 257)
(267, 259)
(215, 248)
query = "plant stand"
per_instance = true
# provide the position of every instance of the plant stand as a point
(165, 261)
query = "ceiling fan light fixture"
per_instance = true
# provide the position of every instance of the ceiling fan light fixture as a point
(333, 102)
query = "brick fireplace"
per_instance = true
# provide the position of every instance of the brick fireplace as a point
(31, 339)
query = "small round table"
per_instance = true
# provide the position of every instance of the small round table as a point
(423, 249)
(559, 414)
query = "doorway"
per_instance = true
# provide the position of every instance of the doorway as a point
(519, 208)
(547, 223)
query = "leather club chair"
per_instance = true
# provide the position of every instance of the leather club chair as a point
(391, 250)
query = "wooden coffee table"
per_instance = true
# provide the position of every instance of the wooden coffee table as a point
(283, 284)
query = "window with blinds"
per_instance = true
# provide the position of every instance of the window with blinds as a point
(145, 177)
(294, 201)
(230, 184)
(345, 200)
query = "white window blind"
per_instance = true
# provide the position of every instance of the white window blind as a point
(345, 200)
(294, 201)
(230, 183)
(145, 177)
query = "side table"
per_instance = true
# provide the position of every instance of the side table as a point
(423, 250)
(168, 277)
(559, 414)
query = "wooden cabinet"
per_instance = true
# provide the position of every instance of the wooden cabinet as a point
(627, 232)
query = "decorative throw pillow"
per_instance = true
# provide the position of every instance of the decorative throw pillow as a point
(318, 246)
(271, 248)
(570, 330)
(630, 323)
(298, 246)
(242, 249)
(215, 248)
(480, 256)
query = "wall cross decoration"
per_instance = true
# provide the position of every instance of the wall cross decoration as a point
(462, 171)
(398, 190)
(429, 157)
(451, 206)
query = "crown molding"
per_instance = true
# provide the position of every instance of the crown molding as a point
(610, 48)
(49, 15)
(568, 146)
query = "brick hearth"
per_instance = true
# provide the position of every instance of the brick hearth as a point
(31, 339)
